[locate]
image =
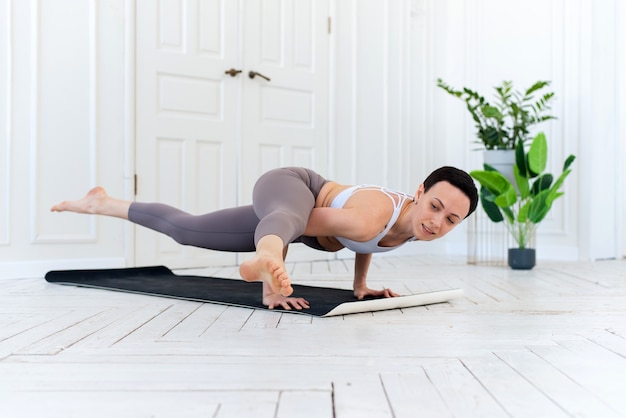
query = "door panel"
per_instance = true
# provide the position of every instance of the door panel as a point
(186, 117)
(285, 120)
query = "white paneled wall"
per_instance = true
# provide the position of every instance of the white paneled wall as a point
(483, 42)
(67, 112)
(62, 81)
(575, 44)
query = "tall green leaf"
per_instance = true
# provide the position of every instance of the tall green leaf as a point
(542, 183)
(520, 159)
(568, 162)
(506, 199)
(557, 185)
(522, 183)
(538, 154)
(494, 181)
(522, 215)
(498, 185)
(509, 214)
(491, 209)
(539, 207)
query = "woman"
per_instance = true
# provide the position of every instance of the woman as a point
(298, 205)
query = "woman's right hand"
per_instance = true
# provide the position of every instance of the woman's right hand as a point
(365, 292)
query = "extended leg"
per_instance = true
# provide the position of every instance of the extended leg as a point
(223, 230)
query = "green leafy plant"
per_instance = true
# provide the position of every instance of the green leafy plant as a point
(505, 124)
(536, 191)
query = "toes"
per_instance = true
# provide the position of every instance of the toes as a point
(286, 291)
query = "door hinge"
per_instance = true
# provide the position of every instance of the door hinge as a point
(329, 25)
(135, 185)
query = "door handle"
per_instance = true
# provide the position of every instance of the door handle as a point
(232, 72)
(253, 74)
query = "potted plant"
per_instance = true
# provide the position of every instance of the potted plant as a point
(502, 126)
(524, 211)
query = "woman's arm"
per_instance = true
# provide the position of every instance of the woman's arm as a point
(361, 266)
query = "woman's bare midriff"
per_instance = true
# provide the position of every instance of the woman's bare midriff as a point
(325, 197)
(327, 194)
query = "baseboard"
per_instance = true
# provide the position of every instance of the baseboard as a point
(38, 268)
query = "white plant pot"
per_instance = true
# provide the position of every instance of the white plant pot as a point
(503, 161)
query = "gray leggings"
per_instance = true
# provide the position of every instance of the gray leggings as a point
(282, 202)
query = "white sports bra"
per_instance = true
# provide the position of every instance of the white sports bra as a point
(371, 246)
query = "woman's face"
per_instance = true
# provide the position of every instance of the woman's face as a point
(438, 211)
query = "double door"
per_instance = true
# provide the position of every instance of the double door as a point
(225, 91)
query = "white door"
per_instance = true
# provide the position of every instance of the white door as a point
(187, 111)
(202, 134)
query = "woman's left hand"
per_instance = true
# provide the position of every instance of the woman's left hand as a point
(363, 292)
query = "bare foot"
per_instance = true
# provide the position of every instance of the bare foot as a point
(270, 271)
(95, 202)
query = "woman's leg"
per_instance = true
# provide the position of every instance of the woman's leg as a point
(283, 200)
(223, 230)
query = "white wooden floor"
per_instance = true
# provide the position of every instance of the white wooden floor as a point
(546, 343)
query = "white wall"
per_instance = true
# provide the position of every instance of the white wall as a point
(395, 136)
(575, 44)
(66, 106)
(62, 81)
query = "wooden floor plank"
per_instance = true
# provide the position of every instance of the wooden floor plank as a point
(232, 319)
(568, 394)
(44, 330)
(126, 323)
(194, 325)
(195, 404)
(610, 341)
(262, 319)
(164, 322)
(129, 376)
(513, 392)
(600, 371)
(305, 404)
(361, 396)
(248, 403)
(412, 395)
(82, 404)
(462, 393)
(65, 338)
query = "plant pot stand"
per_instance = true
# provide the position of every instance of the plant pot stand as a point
(521, 258)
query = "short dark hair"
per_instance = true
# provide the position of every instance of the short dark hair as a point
(459, 179)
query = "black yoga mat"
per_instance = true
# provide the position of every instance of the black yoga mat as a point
(161, 281)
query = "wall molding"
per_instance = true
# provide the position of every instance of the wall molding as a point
(130, 28)
(5, 217)
(38, 268)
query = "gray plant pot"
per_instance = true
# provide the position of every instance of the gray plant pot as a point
(521, 259)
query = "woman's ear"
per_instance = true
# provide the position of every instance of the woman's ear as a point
(419, 193)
